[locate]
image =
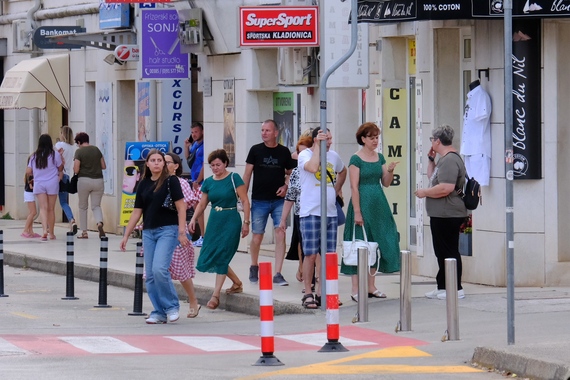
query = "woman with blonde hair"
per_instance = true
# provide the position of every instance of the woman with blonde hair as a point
(65, 147)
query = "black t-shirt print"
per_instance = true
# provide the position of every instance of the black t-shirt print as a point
(269, 166)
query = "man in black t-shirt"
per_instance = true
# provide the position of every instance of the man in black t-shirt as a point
(270, 164)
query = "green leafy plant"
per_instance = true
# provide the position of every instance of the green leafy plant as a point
(7, 216)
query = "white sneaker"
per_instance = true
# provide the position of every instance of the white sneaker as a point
(460, 295)
(199, 242)
(435, 293)
(173, 316)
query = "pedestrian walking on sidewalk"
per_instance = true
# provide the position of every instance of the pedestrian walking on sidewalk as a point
(224, 227)
(444, 206)
(30, 200)
(46, 166)
(182, 267)
(89, 164)
(369, 209)
(270, 163)
(65, 147)
(194, 153)
(163, 229)
(292, 201)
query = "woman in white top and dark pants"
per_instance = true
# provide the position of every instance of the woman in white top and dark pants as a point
(67, 150)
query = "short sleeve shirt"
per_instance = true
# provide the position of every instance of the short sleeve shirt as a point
(154, 215)
(90, 159)
(197, 147)
(311, 184)
(269, 166)
(449, 169)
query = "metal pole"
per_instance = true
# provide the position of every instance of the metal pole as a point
(451, 299)
(2, 264)
(509, 207)
(362, 284)
(405, 292)
(323, 146)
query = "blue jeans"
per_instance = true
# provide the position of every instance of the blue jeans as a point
(159, 244)
(64, 200)
(260, 211)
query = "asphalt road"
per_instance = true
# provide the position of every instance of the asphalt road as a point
(45, 337)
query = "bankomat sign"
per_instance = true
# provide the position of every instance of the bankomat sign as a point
(279, 26)
(43, 33)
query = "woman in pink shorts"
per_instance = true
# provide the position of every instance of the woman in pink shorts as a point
(46, 166)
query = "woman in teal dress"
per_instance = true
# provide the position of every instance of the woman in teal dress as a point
(369, 207)
(222, 235)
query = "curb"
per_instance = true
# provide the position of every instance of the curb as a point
(239, 303)
(523, 365)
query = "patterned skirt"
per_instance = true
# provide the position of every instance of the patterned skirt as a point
(182, 266)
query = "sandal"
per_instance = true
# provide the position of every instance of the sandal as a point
(101, 230)
(235, 288)
(45, 237)
(308, 302)
(376, 294)
(84, 235)
(194, 312)
(213, 303)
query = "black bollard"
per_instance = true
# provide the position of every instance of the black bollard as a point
(69, 278)
(2, 264)
(104, 254)
(138, 303)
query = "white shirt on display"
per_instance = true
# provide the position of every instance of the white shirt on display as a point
(476, 138)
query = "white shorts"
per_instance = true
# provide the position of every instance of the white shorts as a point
(479, 167)
(29, 197)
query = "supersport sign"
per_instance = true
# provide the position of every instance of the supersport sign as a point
(279, 26)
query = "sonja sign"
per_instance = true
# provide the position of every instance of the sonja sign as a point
(526, 100)
(279, 26)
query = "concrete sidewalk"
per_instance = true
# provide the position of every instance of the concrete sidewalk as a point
(542, 313)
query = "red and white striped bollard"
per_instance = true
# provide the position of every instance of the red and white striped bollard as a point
(266, 315)
(333, 318)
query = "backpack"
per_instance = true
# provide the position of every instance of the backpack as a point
(472, 194)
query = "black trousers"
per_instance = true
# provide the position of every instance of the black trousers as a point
(445, 238)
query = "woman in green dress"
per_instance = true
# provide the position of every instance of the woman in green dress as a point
(222, 235)
(368, 207)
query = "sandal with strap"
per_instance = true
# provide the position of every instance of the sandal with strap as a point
(308, 302)
(213, 303)
(194, 312)
(235, 288)
(84, 235)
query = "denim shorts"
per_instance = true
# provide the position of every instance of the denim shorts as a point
(311, 234)
(260, 211)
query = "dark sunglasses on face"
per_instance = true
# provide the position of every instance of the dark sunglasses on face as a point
(131, 170)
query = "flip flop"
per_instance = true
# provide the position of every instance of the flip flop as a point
(26, 235)
(194, 312)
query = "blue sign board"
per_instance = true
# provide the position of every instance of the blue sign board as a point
(161, 57)
(113, 15)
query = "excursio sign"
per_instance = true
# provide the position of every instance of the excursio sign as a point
(279, 26)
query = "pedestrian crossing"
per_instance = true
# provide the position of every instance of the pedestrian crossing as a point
(352, 337)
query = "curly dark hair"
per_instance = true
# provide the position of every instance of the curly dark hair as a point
(221, 154)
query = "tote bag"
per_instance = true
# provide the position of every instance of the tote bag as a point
(350, 249)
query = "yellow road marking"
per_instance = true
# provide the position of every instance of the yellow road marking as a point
(338, 366)
(24, 315)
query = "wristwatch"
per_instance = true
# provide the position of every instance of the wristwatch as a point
(247, 222)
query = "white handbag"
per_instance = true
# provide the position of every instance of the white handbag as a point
(239, 205)
(350, 249)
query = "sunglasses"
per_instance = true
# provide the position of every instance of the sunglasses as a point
(131, 170)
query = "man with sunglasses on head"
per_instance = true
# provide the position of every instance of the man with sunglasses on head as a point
(194, 154)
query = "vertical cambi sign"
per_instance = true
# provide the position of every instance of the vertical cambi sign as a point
(229, 121)
(395, 148)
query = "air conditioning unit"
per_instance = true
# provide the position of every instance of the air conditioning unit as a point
(296, 66)
(22, 36)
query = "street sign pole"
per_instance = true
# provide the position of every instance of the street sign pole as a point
(509, 176)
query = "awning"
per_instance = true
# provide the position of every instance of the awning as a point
(26, 85)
